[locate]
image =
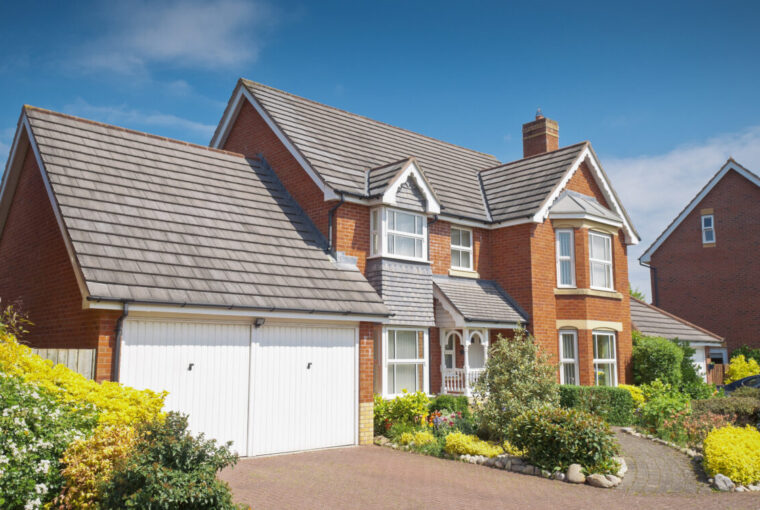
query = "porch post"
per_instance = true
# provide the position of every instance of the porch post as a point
(466, 343)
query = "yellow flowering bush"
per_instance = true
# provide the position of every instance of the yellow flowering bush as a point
(458, 443)
(117, 404)
(90, 463)
(419, 438)
(734, 452)
(741, 367)
(635, 391)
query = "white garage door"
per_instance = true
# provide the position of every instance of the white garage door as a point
(294, 388)
(203, 366)
(304, 388)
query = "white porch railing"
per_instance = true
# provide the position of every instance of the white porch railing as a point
(454, 380)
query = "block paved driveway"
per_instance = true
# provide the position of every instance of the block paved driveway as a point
(372, 477)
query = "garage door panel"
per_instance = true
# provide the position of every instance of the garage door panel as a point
(300, 406)
(213, 391)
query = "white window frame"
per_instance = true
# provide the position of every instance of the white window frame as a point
(705, 229)
(605, 361)
(608, 263)
(380, 232)
(566, 361)
(462, 248)
(424, 361)
(561, 258)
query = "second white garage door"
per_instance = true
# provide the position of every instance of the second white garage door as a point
(275, 389)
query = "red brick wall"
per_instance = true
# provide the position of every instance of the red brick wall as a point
(716, 288)
(36, 276)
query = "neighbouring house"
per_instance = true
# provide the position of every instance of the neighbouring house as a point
(705, 266)
(308, 259)
(652, 321)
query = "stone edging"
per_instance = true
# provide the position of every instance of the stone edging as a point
(719, 482)
(514, 464)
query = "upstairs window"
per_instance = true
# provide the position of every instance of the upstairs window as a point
(399, 234)
(565, 259)
(600, 260)
(461, 248)
(708, 229)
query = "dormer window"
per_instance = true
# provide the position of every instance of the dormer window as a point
(398, 234)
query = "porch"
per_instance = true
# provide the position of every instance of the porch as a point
(460, 374)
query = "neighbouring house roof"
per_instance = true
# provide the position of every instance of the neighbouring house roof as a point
(571, 204)
(729, 165)
(479, 300)
(653, 321)
(348, 153)
(156, 220)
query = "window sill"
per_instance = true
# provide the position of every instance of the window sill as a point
(610, 294)
(464, 273)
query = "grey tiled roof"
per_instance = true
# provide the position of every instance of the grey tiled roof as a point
(157, 220)
(342, 147)
(653, 321)
(480, 300)
(570, 202)
(517, 190)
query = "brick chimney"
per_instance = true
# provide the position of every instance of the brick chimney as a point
(539, 136)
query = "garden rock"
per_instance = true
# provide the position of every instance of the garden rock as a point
(597, 480)
(575, 474)
(723, 483)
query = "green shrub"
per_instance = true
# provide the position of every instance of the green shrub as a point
(35, 430)
(518, 377)
(656, 358)
(748, 353)
(554, 438)
(451, 403)
(661, 402)
(408, 408)
(171, 469)
(741, 367)
(614, 405)
(738, 409)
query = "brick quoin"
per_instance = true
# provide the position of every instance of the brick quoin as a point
(717, 288)
(521, 257)
(36, 276)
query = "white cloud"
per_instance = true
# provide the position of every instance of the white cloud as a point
(654, 189)
(217, 34)
(136, 119)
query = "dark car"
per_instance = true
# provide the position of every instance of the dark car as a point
(752, 381)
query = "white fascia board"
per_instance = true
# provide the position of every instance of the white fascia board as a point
(588, 155)
(243, 93)
(231, 312)
(56, 210)
(585, 216)
(389, 196)
(729, 165)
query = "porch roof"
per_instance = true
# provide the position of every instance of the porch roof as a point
(478, 301)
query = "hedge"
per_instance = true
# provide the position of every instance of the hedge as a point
(615, 405)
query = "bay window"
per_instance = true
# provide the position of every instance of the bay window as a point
(600, 260)
(568, 357)
(461, 248)
(406, 361)
(605, 358)
(565, 258)
(399, 234)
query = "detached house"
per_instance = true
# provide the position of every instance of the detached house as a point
(308, 259)
(705, 266)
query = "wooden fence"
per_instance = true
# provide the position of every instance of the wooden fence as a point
(78, 360)
(715, 373)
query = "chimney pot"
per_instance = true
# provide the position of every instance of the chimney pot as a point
(540, 136)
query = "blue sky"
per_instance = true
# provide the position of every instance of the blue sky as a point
(665, 91)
